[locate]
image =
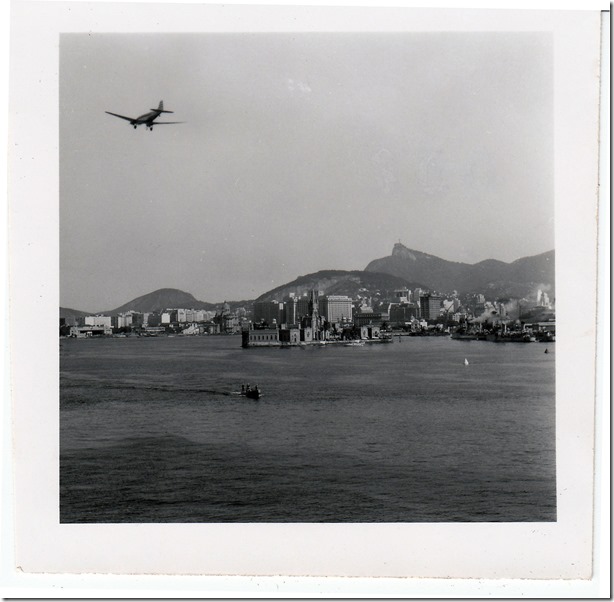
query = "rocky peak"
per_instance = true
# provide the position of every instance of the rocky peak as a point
(400, 250)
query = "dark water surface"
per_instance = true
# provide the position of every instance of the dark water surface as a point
(150, 431)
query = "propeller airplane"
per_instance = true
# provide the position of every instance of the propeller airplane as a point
(148, 119)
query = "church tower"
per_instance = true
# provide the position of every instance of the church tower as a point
(314, 314)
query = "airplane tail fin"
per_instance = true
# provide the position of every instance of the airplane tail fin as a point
(161, 108)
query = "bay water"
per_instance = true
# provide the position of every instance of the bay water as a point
(153, 430)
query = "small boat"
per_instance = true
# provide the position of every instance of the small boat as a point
(250, 393)
(355, 343)
(466, 362)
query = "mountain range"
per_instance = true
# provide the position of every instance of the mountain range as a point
(493, 278)
(403, 268)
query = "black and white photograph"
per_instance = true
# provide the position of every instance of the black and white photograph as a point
(314, 279)
(319, 274)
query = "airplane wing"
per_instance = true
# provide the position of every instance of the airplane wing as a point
(120, 116)
(166, 122)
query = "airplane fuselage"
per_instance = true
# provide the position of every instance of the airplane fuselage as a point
(147, 118)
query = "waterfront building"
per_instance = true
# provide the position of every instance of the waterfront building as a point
(153, 331)
(261, 337)
(430, 307)
(306, 334)
(364, 318)
(228, 321)
(289, 336)
(98, 320)
(370, 331)
(88, 331)
(211, 328)
(191, 330)
(400, 313)
(122, 320)
(336, 308)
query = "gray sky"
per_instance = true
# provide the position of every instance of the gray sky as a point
(300, 152)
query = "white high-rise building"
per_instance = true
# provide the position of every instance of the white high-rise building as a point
(335, 308)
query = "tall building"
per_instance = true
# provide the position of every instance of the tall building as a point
(122, 320)
(269, 312)
(335, 308)
(291, 316)
(301, 308)
(400, 313)
(416, 294)
(430, 307)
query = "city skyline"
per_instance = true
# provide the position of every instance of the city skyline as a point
(299, 152)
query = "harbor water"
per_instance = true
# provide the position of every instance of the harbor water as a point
(153, 430)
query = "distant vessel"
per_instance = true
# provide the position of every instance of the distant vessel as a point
(249, 392)
(466, 362)
(355, 343)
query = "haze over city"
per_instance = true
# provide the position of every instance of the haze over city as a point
(299, 152)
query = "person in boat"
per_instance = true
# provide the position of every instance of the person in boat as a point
(242, 389)
(248, 388)
(256, 390)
